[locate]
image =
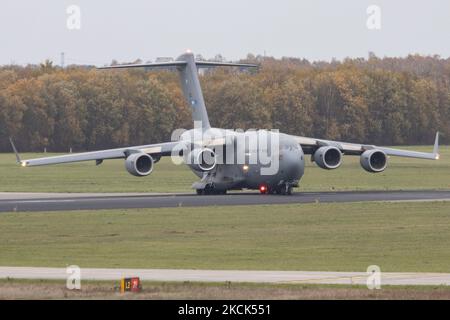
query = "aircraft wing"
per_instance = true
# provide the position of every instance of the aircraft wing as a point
(159, 149)
(310, 145)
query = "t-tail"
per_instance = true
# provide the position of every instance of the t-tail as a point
(188, 71)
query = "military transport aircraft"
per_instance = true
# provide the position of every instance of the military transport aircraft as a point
(200, 147)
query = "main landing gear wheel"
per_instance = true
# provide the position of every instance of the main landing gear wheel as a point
(210, 190)
(285, 189)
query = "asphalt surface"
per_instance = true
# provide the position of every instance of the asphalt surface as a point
(293, 277)
(52, 202)
(17, 202)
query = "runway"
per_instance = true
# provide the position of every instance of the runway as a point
(288, 277)
(26, 202)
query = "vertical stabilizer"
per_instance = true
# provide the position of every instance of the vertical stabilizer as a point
(192, 90)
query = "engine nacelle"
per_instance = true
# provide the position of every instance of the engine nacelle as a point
(373, 160)
(202, 159)
(328, 157)
(139, 164)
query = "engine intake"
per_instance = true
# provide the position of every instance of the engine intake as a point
(139, 164)
(202, 159)
(373, 160)
(328, 157)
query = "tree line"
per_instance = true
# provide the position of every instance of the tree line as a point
(386, 101)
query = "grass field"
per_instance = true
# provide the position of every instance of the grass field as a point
(403, 237)
(325, 237)
(111, 176)
(52, 289)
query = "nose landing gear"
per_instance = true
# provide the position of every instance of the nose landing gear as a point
(285, 189)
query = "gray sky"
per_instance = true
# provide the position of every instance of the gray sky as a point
(32, 31)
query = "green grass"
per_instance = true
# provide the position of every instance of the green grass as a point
(328, 237)
(338, 237)
(56, 289)
(111, 176)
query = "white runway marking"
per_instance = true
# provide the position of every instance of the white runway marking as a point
(39, 201)
(307, 277)
(43, 195)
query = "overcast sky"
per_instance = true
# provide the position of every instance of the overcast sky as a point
(32, 31)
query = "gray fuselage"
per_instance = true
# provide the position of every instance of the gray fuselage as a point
(284, 164)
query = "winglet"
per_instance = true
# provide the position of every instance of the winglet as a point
(436, 147)
(15, 151)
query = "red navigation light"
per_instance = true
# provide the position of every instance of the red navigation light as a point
(262, 188)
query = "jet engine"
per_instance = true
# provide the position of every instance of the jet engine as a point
(202, 159)
(139, 164)
(328, 157)
(373, 160)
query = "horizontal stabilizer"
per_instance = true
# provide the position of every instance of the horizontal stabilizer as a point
(208, 64)
(148, 65)
(199, 64)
